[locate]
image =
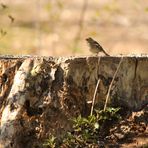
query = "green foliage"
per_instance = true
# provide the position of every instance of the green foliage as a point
(86, 130)
(50, 142)
(108, 115)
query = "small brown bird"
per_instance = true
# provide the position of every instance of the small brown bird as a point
(95, 47)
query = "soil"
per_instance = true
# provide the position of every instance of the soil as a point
(131, 131)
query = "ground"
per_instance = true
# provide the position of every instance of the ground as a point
(130, 132)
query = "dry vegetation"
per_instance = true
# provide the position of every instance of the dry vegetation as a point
(52, 27)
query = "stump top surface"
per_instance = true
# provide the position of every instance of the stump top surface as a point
(69, 57)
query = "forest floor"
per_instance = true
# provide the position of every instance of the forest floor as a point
(131, 132)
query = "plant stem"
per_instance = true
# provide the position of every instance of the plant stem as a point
(110, 86)
(94, 97)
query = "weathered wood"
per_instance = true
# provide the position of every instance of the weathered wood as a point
(39, 94)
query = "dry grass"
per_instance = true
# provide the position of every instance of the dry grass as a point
(50, 28)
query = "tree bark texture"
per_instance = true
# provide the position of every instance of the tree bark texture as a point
(38, 95)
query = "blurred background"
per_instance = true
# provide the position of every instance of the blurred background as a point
(60, 27)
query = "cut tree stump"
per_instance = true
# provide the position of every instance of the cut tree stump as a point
(38, 95)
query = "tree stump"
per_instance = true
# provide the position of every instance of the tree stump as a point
(38, 95)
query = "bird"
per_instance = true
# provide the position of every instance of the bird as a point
(95, 47)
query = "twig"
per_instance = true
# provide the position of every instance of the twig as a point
(81, 23)
(110, 86)
(94, 97)
(37, 23)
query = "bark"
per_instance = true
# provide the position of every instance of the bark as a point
(38, 95)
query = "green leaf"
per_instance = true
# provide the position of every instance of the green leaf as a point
(96, 125)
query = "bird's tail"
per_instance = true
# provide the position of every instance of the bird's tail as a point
(106, 53)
